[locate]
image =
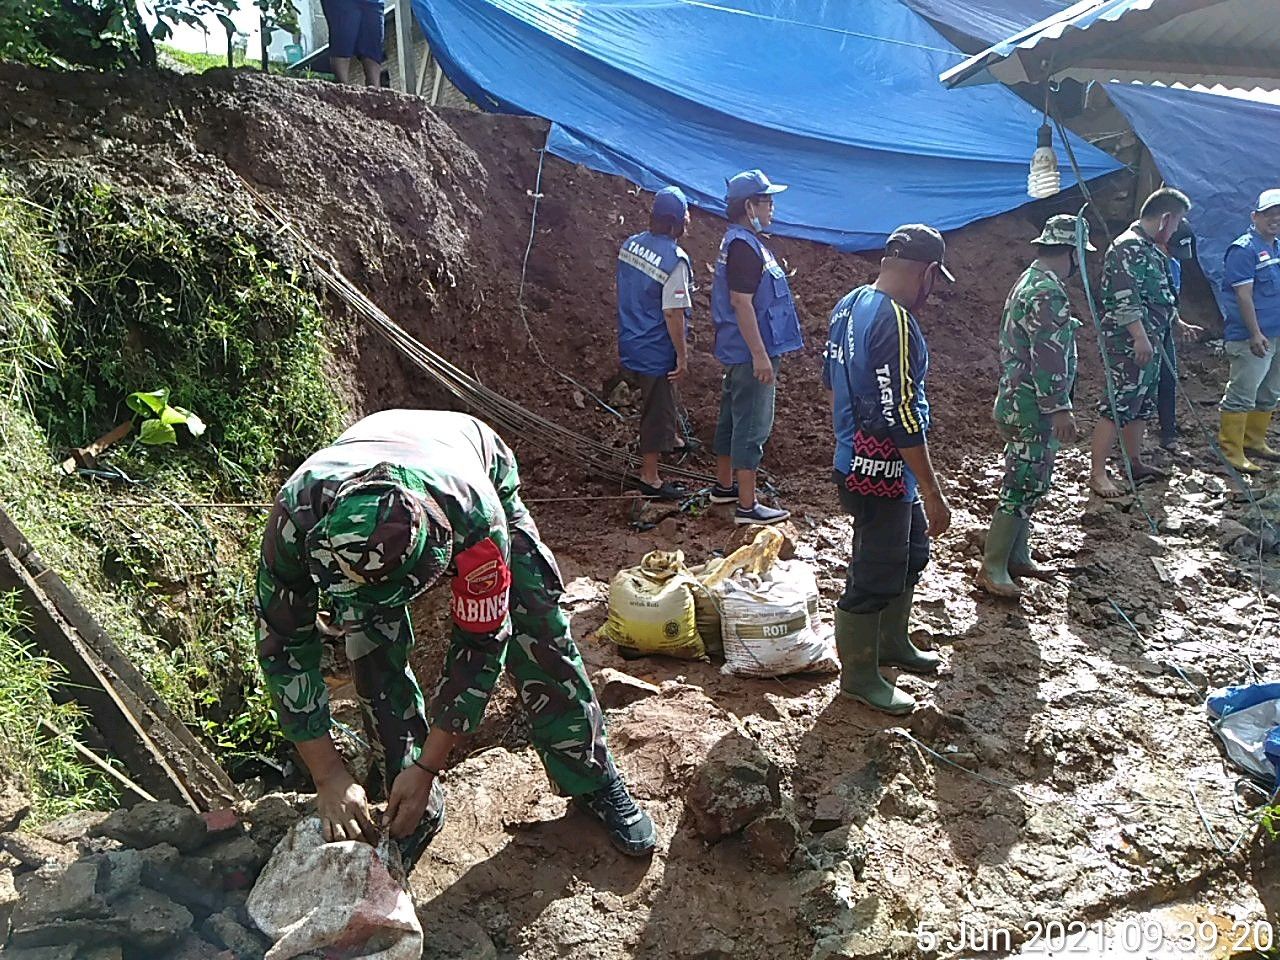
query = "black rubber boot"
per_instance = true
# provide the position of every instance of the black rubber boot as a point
(629, 827)
(896, 648)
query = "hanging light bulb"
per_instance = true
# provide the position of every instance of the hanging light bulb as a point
(1044, 180)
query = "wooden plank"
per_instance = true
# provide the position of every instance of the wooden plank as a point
(201, 771)
(87, 685)
(404, 45)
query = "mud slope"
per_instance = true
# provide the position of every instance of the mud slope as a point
(1055, 767)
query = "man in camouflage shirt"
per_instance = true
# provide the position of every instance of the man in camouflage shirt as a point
(1033, 404)
(401, 500)
(1139, 304)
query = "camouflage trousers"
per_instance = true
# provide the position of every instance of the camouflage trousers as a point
(539, 655)
(1135, 387)
(1029, 453)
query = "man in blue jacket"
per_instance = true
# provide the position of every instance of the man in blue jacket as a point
(655, 280)
(875, 368)
(756, 323)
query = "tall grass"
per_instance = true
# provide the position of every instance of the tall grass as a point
(32, 291)
(46, 769)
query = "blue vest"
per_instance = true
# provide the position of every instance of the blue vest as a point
(644, 264)
(775, 310)
(1260, 262)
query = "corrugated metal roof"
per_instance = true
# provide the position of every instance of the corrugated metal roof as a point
(1232, 42)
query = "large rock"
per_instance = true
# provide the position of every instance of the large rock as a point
(14, 807)
(274, 815)
(35, 851)
(773, 839)
(73, 933)
(74, 826)
(119, 871)
(8, 901)
(227, 931)
(616, 689)
(660, 742)
(65, 951)
(148, 824)
(59, 893)
(155, 922)
(735, 786)
(198, 948)
(108, 951)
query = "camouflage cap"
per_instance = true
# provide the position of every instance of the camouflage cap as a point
(1060, 231)
(383, 541)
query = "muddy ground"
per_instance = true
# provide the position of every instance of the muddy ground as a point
(1059, 768)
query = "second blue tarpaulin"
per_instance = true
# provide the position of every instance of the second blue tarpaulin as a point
(839, 100)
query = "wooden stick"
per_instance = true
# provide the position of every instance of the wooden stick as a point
(97, 761)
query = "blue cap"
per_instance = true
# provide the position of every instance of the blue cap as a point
(751, 183)
(670, 202)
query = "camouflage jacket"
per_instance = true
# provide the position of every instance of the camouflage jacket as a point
(473, 476)
(1137, 285)
(1037, 350)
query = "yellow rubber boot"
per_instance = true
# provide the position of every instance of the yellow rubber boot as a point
(1256, 425)
(1231, 440)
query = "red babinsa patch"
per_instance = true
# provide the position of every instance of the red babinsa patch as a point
(480, 589)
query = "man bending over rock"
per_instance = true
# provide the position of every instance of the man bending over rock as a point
(400, 501)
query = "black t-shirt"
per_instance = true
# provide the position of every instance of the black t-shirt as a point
(743, 267)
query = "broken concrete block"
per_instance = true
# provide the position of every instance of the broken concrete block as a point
(63, 952)
(617, 689)
(8, 901)
(68, 933)
(74, 826)
(148, 824)
(59, 893)
(119, 871)
(727, 794)
(271, 817)
(225, 930)
(14, 808)
(773, 839)
(189, 881)
(236, 862)
(34, 851)
(154, 921)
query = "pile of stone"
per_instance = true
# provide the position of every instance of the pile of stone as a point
(153, 881)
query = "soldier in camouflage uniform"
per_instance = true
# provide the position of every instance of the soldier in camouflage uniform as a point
(1033, 404)
(1139, 304)
(401, 500)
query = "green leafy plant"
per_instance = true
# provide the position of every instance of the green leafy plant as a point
(162, 419)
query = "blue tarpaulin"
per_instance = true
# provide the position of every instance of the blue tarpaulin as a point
(988, 20)
(838, 99)
(1216, 149)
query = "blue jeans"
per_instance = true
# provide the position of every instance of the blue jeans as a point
(746, 415)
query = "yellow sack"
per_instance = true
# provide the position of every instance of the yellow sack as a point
(651, 608)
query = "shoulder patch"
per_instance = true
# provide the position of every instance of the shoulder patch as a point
(481, 587)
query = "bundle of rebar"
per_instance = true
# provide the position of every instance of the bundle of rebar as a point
(505, 415)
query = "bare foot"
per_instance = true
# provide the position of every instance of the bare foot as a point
(1103, 487)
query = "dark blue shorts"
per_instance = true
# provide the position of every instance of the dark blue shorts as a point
(356, 28)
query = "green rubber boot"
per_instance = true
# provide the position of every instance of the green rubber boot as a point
(1020, 562)
(858, 644)
(994, 577)
(896, 648)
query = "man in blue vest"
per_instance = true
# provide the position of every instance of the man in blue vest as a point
(1251, 282)
(654, 288)
(875, 368)
(756, 323)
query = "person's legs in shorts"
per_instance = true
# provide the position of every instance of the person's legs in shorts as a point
(658, 427)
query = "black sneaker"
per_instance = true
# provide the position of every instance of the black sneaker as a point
(760, 514)
(629, 827)
(415, 844)
(663, 491)
(721, 494)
